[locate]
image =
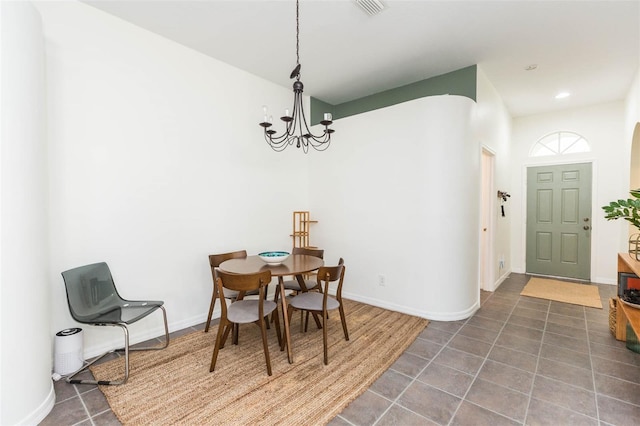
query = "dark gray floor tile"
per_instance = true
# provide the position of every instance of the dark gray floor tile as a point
(390, 384)
(615, 352)
(447, 379)
(566, 373)
(578, 333)
(485, 323)
(478, 333)
(546, 413)
(409, 364)
(513, 358)
(579, 323)
(365, 409)
(531, 303)
(429, 402)
(434, 335)
(564, 395)
(424, 348)
(557, 353)
(579, 345)
(95, 402)
(618, 388)
(106, 419)
(521, 331)
(604, 338)
(509, 377)
(601, 326)
(68, 412)
(448, 326)
(617, 369)
(397, 415)
(469, 345)
(339, 421)
(498, 399)
(530, 313)
(494, 314)
(472, 415)
(518, 343)
(459, 360)
(64, 390)
(567, 310)
(527, 322)
(616, 412)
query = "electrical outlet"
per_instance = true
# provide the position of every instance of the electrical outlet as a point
(381, 280)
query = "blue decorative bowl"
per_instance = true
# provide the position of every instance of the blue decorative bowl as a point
(274, 257)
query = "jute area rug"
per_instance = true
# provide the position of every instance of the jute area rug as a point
(561, 291)
(174, 385)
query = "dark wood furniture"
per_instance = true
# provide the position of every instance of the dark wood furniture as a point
(244, 311)
(296, 265)
(626, 314)
(214, 261)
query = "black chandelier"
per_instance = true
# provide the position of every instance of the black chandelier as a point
(297, 130)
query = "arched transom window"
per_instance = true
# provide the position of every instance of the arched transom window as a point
(559, 143)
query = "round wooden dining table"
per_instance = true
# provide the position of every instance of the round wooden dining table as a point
(295, 264)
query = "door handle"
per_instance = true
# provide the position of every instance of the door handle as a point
(586, 219)
(586, 227)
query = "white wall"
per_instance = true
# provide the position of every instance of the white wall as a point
(26, 390)
(603, 126)
(493, 128)
(397, 194)
(156, 161)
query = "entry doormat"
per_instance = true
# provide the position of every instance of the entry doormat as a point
(562, 291)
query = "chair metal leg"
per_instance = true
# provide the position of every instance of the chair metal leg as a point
(126, 350)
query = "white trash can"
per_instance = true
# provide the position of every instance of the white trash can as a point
(68, 351)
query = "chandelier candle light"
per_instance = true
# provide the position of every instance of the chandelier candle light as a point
(297, 129)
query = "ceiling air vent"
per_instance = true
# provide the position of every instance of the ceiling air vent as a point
(371, 7)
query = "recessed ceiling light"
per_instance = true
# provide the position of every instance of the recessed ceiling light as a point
(563, 95)
(531, 67)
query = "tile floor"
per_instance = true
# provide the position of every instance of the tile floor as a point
(517, 361)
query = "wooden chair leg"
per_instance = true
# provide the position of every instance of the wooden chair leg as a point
(277, 320)
(236, 329)
(211, 306)
(265, 346)
(275, 299)
(324, 338)
(343, 319)
(219, 344)
(289, 315)
(227, 329)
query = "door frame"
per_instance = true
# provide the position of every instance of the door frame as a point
(486, 273)
(595, 231)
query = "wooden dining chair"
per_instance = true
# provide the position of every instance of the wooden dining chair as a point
(294, 285)
(214, 261)
(245, 311)
(322, 303)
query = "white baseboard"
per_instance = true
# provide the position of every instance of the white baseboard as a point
(42, 411)
(435, 316)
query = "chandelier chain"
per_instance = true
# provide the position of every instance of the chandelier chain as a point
(297, 130)
(297, 32)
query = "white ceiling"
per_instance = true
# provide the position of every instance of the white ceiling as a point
(588, 48)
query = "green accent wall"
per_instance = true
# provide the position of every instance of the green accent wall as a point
(461, 82)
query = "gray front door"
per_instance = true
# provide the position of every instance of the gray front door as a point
(559, 221)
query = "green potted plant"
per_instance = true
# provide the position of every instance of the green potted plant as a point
(628, 210)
